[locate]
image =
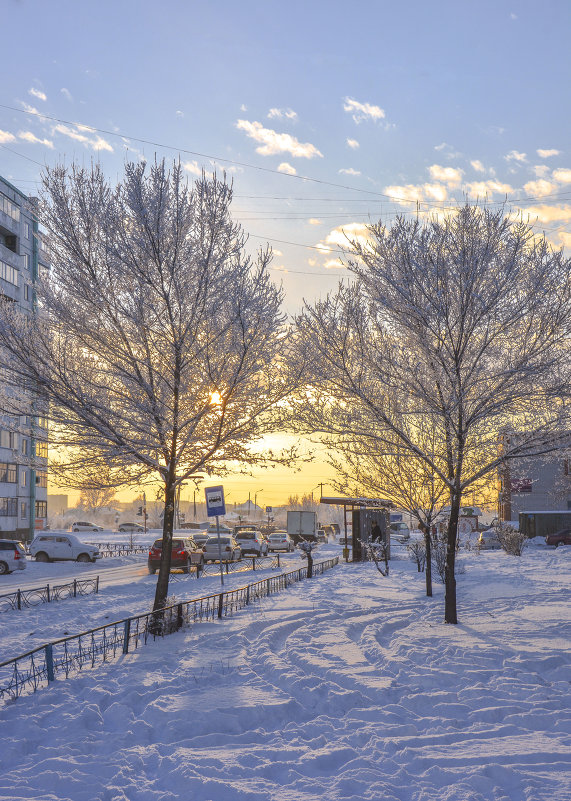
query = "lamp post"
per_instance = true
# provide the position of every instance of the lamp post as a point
(256, 497)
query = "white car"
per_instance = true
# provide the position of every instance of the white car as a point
(12, 556)
(62, 547)
(229, 549)
(252, 542)
(400, 530)
(134, 527)
(280, 541)
(488, 541)
(83, 526)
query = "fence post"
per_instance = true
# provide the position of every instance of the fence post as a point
(19, 599)
(126, 635)
(75, 588)
(179, 617)
(253, 562)
(96, 585)
(268, 587)
(48, 592)
(278, 560)
(247, 595)
(50, 662)
(220, 604)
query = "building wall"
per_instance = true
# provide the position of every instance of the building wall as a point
(23, 436)
(538, 484)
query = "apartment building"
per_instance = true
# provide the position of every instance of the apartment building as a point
(23, 423)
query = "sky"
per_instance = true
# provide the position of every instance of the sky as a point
(326, 116)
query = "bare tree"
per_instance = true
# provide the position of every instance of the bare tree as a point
(94, 498)
(460, 326)
(160, 344)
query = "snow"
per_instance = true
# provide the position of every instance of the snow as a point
(345, 687)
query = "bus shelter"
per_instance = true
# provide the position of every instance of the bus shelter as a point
(364, 513)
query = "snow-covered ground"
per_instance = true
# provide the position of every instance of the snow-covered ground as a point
(347, 686)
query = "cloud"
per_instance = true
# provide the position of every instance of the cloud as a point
(435, 191)
(243, 107)
(441, 146)
(481, 189)
(541, 170)
(28, 136)
(514, 155)
(448, 175)
(362, 111)
(66, 93)
(98, 143)
(539, 188)
(6, 136)
(314, 221)
(333, 264)
(192, 167)
(287, 168)
(404, 194)
(562, 176)
(545, 154)
(565, 239)
(349, 171)
(37, 93)
(179, 113)
(341, 237)
(549, 214)
(353, 144)
(273, 142)
(282, 113)
(478, 166)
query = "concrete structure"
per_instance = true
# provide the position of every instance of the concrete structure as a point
(541, 483)
(23, 435)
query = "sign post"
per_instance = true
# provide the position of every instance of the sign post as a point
(215, 507)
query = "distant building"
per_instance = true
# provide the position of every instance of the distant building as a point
(538, 483)
(23, 436)
(58, 504)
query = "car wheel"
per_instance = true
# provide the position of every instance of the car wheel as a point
(75, 530)
(42, 557)
(3, 568)
(84, 557)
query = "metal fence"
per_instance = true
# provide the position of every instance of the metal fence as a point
(19, 599)
(62, 658)
(119, 548)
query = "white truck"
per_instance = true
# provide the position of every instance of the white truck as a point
(302, 526)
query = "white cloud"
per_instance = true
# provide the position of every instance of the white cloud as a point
(448, 175)
(282, 113)
(541, 170)
(287, 168)
(478, 166)
(435, 191)
(349, 171)
(562, 176)
(441, 146)
(66, 93)
(101, 144)
(97, 143)
(404, 194)
(540, 188)
(192, 167)
(549, 214)
(6, 136)
(362, 111)
(353, 144)
(28, 136)
(565, 239)
(333, 264)
(37, 93)
(277, 252)
(545, 154)
(243, 107)
(515, 155)
(312, 262)
(314, 221)
(179, 113)
(481, 189)
(343, 235)
(273, 142)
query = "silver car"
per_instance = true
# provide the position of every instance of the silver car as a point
(229, 548)
(280, 541)
(12, 556)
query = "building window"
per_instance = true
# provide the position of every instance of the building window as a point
(23, 510)
(8, 473)
(9, 439)
(23, 476)
(41, 478)
(41, 449)
(8, 507)
(27, 230)
(24, 446)
(9, 208)
(41, 508)
(8, 273)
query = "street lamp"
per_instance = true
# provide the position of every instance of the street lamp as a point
(256, 496)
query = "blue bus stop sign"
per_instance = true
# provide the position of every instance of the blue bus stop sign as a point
(215, 506)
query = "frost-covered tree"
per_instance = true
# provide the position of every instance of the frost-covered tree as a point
(159, 343)
(458, 326)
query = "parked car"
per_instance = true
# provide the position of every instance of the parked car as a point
(280, 541)
(12, 556)
(488, 541)
(185, 553)
(134, 527)
(399, 529)
(252, 542)
(321, 535)
(200, 537)
(562, 537)
(229, 548)
(62, 547)
(83, 526)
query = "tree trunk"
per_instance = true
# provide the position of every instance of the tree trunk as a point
(428, 568)
(162, 589)
(309, 565)
(450, 615)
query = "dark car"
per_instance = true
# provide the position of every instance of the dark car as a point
(562, 537)
(185, 553)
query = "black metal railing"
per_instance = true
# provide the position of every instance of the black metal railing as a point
(68, 655)
(118, 548)
(20, 599)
